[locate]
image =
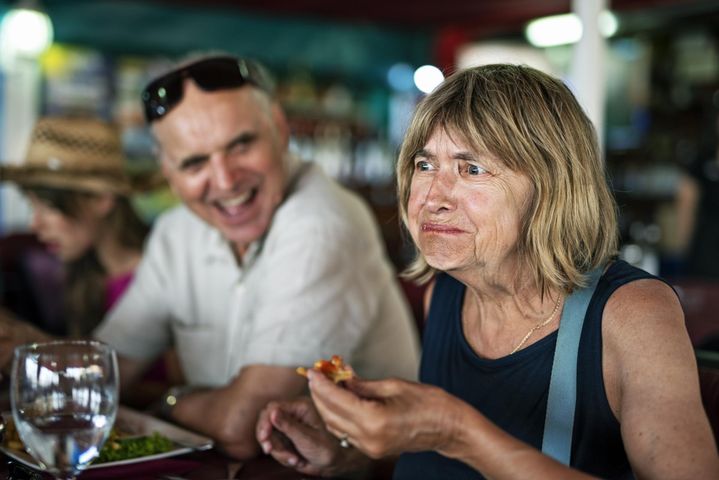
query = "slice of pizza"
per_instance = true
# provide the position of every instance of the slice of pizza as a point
(334, 369)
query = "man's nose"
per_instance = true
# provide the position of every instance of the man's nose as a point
(222, 172)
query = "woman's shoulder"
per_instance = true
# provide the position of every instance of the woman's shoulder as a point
(640, 308)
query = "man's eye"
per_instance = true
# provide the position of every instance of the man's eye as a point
(192, 166)
(238, 148)
(241, 144)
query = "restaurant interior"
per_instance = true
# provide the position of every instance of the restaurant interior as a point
(349, 76)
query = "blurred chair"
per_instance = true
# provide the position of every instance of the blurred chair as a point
(700, 301)
(708, 362)
(415, 297)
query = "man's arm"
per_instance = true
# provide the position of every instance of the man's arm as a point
(14, 332)
(130, 371)
(229, 414)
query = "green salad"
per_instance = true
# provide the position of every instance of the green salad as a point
(116, 449)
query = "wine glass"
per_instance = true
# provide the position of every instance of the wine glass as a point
(64, 398)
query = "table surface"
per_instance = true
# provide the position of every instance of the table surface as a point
(208, 465)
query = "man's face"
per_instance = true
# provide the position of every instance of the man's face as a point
(222, 153)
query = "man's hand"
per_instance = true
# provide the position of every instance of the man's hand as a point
(15, 332)
(294, 434)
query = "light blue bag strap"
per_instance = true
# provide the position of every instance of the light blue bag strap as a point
(562, 398)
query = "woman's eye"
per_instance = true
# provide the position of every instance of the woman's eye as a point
(474, 169)
(422, 166)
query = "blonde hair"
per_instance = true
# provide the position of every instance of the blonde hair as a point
(532, 123)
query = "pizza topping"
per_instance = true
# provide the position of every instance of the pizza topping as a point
(334, 369)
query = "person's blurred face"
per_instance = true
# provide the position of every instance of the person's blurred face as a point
(465, 208)
(66, 237)
(222, 153)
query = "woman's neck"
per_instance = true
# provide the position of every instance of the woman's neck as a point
(115, 258)
(498, 310)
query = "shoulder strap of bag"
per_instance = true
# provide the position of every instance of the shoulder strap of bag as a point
(562, 398)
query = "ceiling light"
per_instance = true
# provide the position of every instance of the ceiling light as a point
(565, 29)
(427, 78)
(25, 30)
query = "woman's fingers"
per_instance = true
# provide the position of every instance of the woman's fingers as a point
(282, 451)
(330, 395)
(375, 389)
(296, 430)
(343, 412)
(303, 409)
(263, 429)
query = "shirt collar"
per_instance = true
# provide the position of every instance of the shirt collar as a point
(220, 250)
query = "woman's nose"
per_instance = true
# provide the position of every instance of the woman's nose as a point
(439, 194)
(35, 221)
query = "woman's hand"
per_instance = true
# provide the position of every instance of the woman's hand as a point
(387, 417)
(294, 434)
(14, 332)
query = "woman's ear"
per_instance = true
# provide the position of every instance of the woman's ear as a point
(102, 204)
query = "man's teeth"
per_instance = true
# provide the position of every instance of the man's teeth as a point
(236, 201)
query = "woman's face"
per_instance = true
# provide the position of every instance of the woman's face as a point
(66, 237)
(465, 208)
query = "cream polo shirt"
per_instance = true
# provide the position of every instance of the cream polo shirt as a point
(318, 284)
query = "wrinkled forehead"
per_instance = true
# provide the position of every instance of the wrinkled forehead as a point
(211, 116)
(461, 135)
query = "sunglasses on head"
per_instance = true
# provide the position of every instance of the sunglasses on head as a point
(210, 74)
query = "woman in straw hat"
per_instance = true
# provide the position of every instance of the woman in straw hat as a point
(75, 179)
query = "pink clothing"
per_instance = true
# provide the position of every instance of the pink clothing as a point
(115, 287)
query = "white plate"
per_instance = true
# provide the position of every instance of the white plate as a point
(134, 423)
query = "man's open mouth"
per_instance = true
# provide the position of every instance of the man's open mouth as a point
(237, 204)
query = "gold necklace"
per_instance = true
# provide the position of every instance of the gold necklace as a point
(541, 324)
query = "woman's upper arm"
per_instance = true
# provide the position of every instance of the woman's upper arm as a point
(653, 369)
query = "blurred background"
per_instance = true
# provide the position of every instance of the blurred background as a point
(350, 73)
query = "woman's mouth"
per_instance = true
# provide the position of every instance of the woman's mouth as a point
(441, 229)
(52, 247)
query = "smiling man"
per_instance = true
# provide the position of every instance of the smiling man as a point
(266, 265)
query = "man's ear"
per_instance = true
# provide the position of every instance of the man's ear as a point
(280, 120)
(166, 171)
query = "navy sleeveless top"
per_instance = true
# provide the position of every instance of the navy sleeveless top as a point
(512, 391)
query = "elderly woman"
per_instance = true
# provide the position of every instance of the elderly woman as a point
(503, 191)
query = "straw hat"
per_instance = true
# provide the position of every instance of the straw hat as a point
(77, 154)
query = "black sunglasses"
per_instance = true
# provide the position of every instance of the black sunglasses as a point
(210, 74)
